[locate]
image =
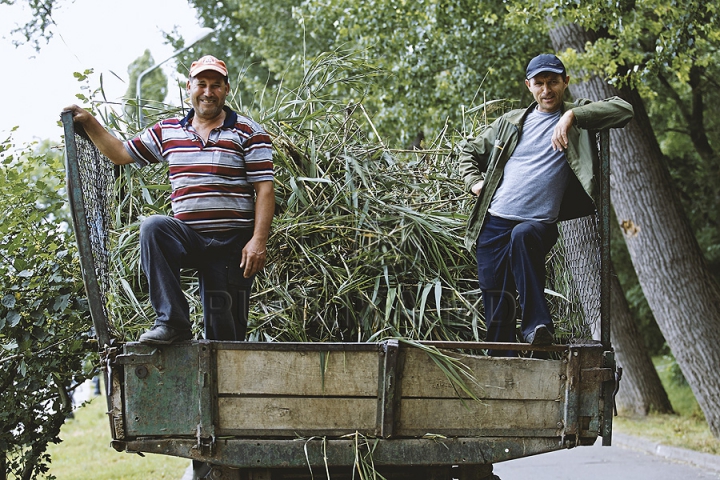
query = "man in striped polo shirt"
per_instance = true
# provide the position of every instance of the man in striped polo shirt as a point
(223, 200)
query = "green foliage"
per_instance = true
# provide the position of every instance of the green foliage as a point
(636, 39)
(37, 24)
(44, 323)
(368, 244)
(436, 55)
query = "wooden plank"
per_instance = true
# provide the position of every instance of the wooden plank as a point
(322, 452)
(572, 392)
(492, 417)
(302, 373)
(300, 346)
(495, 378)
(296, 414)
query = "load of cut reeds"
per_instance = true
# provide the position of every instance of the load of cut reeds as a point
(366, 242)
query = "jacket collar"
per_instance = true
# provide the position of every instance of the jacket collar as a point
(517, 117)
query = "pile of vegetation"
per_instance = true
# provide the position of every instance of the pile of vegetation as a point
(367, 240)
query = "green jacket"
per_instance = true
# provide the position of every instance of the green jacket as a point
(484, 158)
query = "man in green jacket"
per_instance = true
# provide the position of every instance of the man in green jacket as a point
(529, 169)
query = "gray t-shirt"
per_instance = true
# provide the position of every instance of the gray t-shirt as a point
(535, 176)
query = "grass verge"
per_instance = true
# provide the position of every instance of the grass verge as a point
(687, 429)
(85, 452)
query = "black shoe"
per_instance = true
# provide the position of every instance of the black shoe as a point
(162, 335)
(541, 336)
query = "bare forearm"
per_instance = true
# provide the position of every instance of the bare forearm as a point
(264, 211)
(110, 146)
(254, 254)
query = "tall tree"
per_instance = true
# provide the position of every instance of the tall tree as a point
(153, 85)
(682, 292)
(641, 390)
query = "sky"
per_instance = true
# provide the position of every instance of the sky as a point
(103, 35)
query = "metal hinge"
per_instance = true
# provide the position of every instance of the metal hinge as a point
(136, 358)
(597, 375)
(618, 376)
(205, 445)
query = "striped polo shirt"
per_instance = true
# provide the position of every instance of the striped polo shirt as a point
(211, 182)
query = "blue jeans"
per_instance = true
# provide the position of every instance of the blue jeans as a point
(511, 257)
(168, 245)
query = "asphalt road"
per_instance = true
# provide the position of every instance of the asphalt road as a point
(627, 460)
(603, 463)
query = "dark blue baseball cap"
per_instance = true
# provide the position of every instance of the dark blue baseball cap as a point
(544, 63)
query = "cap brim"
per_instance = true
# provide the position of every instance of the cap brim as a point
(544, 69)
(204, 68)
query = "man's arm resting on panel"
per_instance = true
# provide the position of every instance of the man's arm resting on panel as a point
(111, 147)
(613, 112)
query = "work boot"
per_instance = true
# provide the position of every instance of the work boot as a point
(162, 335)
(541, 336)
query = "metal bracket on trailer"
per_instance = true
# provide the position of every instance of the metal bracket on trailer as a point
(388, 404)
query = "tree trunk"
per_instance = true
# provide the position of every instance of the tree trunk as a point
(640, 389)
(683, 295)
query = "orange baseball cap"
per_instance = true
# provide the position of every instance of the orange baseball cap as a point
(208, 62)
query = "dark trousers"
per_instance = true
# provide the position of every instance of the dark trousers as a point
(168, 245)
(511, 257)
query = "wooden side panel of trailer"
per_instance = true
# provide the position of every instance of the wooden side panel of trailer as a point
(511, 395)
(289, 393)
(207, 400)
